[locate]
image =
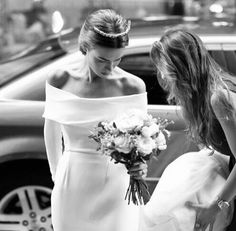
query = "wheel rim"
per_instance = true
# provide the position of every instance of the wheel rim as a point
(26, 209)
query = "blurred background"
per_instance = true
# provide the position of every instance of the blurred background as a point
(27, 22)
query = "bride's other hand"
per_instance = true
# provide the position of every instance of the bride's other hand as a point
(205, 215)
(138, 170)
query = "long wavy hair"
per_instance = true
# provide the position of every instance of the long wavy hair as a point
(191, 76)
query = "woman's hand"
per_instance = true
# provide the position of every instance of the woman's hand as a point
(205, 215)
(138, 170)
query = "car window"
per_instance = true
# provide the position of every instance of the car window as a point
(13, 69)
(141, 66)
(226, 59)
(38, 55)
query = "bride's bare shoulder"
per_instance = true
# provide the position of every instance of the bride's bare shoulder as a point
(59, 78)
(132, 84)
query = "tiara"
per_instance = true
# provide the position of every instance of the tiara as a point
(113, 35)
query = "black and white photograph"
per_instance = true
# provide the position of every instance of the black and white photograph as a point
(117, 115)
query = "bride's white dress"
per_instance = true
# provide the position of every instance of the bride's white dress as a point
(89, 188)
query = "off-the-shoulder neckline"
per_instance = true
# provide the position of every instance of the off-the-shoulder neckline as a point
(100, 98)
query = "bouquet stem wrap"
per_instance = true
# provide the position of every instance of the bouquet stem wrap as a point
(137, 191)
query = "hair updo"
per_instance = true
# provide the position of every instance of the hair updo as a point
(104, 28)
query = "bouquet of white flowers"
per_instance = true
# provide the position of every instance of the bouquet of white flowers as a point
(133, 137)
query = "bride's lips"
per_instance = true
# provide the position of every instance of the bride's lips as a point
(105, 72)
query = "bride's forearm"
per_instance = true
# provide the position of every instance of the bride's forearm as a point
(53, 143)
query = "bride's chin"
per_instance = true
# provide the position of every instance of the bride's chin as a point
(105, 74)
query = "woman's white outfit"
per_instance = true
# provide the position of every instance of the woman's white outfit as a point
(89, 188)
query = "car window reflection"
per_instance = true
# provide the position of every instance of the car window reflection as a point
(16, 68)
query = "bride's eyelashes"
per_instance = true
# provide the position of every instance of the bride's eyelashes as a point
(101, 60)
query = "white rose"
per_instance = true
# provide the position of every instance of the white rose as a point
(122, 144)
(128, 123)
(150, 131)
(162, 147)
(130, 120)
(161, 141)
(145, 145)
(108, 126)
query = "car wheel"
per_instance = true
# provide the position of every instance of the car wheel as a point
(25, 203)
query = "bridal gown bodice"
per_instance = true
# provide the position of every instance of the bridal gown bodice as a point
(78, 116)
(89, 188)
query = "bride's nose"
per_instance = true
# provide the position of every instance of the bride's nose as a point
(110, 66)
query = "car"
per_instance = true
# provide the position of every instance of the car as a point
(25, 177)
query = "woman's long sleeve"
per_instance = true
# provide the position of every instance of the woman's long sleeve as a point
(53, 143)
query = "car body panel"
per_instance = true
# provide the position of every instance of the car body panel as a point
(19, 113)
(22, 147)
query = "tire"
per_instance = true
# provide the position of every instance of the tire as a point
(25, 194)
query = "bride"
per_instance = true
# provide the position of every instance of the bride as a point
(89, 189)
(197, 190)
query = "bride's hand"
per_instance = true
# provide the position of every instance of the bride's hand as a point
(138, 170)
(205, 215)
